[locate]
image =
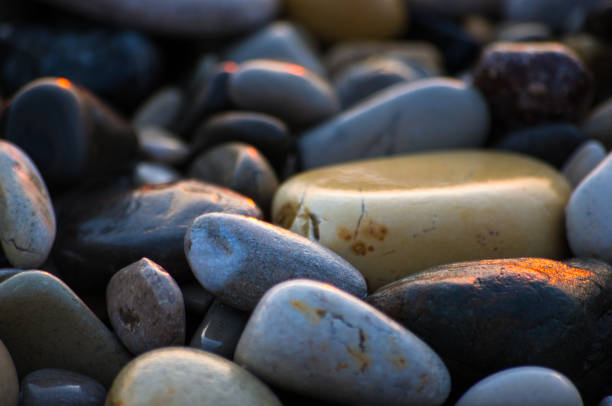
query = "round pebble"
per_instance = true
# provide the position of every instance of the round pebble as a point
(59, 387)
(9, 385)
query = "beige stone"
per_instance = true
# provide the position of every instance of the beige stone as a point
(176, 376)
(9, 385)
(350, 19)
(396, 216)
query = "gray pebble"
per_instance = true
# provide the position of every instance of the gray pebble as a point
(239, 258)
(9, 385)
(151, 173)
(598, 124)
(160, 145)
(197, 299)
(607, 401)
(160, 110)
(58, 387)
(583, 161)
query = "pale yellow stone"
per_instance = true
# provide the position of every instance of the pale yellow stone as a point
(396, 216)
(350, 19)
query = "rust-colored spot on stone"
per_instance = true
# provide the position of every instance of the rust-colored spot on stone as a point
(370, 248)
(360, 358)
(313, 314)
(374, 230)
(359, 248)
(421, 386)
(285, 216)
(341, 366)
(344, 233)
(399, 363)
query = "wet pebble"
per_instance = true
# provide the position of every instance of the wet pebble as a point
(51, 386)
(239, 258)
(145, 307)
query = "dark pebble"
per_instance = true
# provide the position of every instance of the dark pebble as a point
(58, 387)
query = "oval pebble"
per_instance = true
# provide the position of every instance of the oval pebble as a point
(59, 387)
(598, 124)
(523, 386)
(9, 385)
(583, 161)
(160, 110)
(160, 145)
(145, 307)
(315, 339)
(187, 377)
(239, 258)
(152, 173)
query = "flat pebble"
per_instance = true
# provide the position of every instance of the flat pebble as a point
(463, 205)
(59, 387)
(284, 90)
(26, 212)
(145, 307)
(523, 386)
(424, 115)
(9, 384)
(220, 330)
(45, 325)
(160, 109)
(314, 339)
(583, 161)
(239, 167)
(187, 377)
(239, 258)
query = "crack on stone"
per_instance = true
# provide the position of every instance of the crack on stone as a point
(363, 211)
(314, 223)
(383, 142)
(12, 242)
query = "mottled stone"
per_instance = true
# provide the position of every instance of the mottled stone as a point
(281, 41)
(160, 109)
(45, 325)
(364, 79)
(106, 62)
(27, 218)
(598, 124)
(583, 161)
(69, 134)
(151, 173)
(266, 133)
(588, 221)
(239, 167)
(485, 316)
(424, 115)
(533, 83)
(9, 384)
(239, 258)
(186, 376)
(462, 206)
(312, 338)
(101, 232)
(197, 18)
(59, 387)
(284, 90)
(145, 307)
(160, 145)
(523, 386)
(220, 330)
(553, 143)
(350, 19)
(197, 299)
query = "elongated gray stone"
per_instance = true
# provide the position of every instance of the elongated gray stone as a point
(58, 387)
(314, 339)
(45, 325)
(424, 115)
(239, 258)
(27, 220)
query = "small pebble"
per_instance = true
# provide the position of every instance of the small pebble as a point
(151, 173)
(238, 259)
(160, 109)
(9, 384)
(598, 125)
(607, 401)
(160, 145)
(58, 387)
(145, 307)
(197, 299)
(583, 161)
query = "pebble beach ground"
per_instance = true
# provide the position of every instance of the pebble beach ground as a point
(305, 202)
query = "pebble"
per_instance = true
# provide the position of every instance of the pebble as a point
(280, 41)
(220, 330)
(485, 316)
(553, 143)
(463, 205)
(239, 167)
(266, 133)
(101, 60)
(588, 221)
(350, 19)
(284, 90)
(364, 79)
(458, 9)
(238, 259)
(26, 211)
(151, 173)
(197, 299)
(59, 387)
(583, 161)
(607, 401)
(186, 377)
(598, 125)
(194, 18)
(69, 134)
(145, 307)
(45, 325)
(523, 386)
(160, 145)
(424, 115)
(567, 15)
(533, 83)
(9, 384)
(525, 32)
(102, 232)
(160, 110)
(330, 345)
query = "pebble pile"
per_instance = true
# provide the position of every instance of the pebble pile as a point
(306, 202)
